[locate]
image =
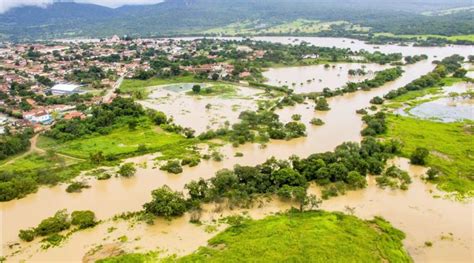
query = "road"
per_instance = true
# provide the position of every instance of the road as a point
(111, 92)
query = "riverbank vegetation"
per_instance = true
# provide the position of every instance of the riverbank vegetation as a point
(296, 236)
(114, 131)
(450, 149)
(52, 227)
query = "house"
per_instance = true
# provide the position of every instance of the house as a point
(38, 116)
(74, 115)
(65, 89)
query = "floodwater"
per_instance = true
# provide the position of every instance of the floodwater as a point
(315, 78)
(447, 108)
(201, 113)
(416, 212)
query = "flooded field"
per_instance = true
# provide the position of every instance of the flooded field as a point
(201, 113)
(451, 106)
(416, 212)
(307, 79)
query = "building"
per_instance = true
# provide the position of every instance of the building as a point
(38, 116)
(65, 89)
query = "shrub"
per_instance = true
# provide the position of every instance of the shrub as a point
(76, 187)
(376, 100)
(172, 166)
(166, 203)
(27, 235)
(317, 122)
(83, 219)
(127, 170)
(322, 105)
(419, 156)
(54, 224)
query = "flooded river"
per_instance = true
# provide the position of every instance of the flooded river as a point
(416, 212)
(315, 78)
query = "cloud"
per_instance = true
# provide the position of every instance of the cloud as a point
(6, 5)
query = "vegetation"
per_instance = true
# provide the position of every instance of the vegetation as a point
(127, 170)
(13, 144)
(320, 236)
(449, 145)
(76, 187)
(52, 226)
(446, 66)
(166, 203)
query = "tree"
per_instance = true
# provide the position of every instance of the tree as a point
(197, 88)
(83, 219)
(27, 235)
(432, 174)
(376, 100)
(356, 180)
(322, 105)
(419, 156)
(127, 170)
(166, 202)
(172, 166)
(460, 73)
(54, 224)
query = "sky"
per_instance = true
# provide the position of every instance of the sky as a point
(5, 5)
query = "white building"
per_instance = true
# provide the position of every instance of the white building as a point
(65, 89)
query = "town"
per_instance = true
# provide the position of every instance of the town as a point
(41, 83)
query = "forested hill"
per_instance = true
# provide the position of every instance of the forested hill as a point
(193, 16)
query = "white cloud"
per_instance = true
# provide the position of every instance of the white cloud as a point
(5, 5)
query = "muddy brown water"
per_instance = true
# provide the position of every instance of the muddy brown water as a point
(416, 212)
(315, 78)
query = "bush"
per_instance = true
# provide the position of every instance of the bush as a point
(376, 100)
(27, 235)
(317, 122)
(432, 174)
(83, 219)
(322, 105)
(127, 170)
(197, 88)
(54, 224)
(172, 166)
(419, 156)
(191, 161)
(166, 203)
(76, 187)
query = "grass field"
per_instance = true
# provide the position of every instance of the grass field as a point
(222, 90)
(135, 85)
(35, 161)
(120, 142)
(451, 38)
(451, 146)
(298, 237)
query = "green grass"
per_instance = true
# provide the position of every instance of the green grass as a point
(423, 37)
(451, 146)
(135, 85)
(120, 142)
(221, 90)
(298, 237)
(34, 161)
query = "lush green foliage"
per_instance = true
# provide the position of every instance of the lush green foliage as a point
(52, 226)
(14, 144)
(297, 237)
(446, 66)
(166, 203)
(450, 146)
